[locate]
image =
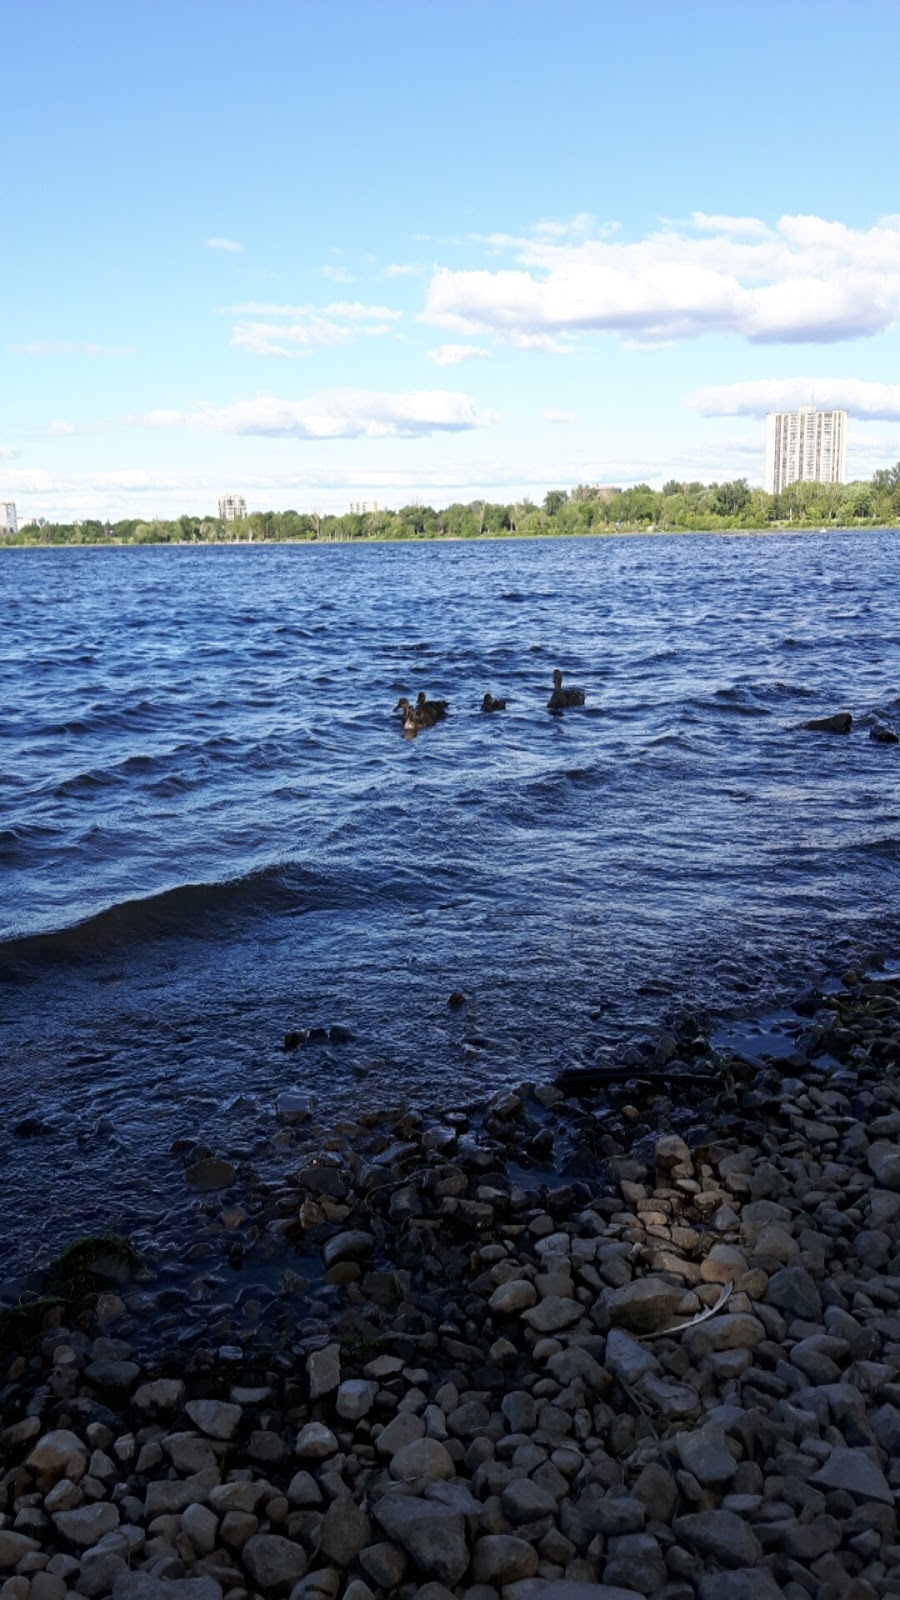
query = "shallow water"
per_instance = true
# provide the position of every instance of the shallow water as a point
(213, 831)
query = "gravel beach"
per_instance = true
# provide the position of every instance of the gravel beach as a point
(586, 1341)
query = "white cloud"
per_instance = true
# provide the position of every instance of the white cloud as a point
(759, 396)
(337, 273)
(402, 269)
(54, 347)
(230, 245)
(450, 355)
(8, 452)
(303, 328)
(805, 280)
(336, 414)
(559, 418)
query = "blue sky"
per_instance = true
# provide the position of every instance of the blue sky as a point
(318, 250)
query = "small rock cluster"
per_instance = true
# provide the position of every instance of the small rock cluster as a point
(682, 1383)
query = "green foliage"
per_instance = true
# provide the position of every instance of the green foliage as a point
(587, 508)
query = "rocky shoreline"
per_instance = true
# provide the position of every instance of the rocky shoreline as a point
(628, 1336)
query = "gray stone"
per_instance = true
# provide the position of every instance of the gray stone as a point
(87, 1524)
(201, 1526)
(553, 1314)
(109, 1374)
(794, 1292)
(884, 1163)
(749, 1583)
(626, 1359)
(525, 1501)
(99, 1571)
(517, 1295)
(216, 1418)
(13, 1546)
(857, 1472)
(433, 1535)
(721, 1534)
(385, 1564)
(355, 1399)
(642, 1306)
(501, 1558)
(345, 1531)
(274, 1563)
(315, 1442)
(705, 1453)
(324, 1370)
(563, 1589)
(422, 1458)
(636, 1559)
(143, 1586)
(56, 1455)
(163, 1394)
(839, 722)
(401, 1430)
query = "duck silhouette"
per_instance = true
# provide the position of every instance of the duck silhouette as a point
(424, 714)
(490, 704)
(560, 697)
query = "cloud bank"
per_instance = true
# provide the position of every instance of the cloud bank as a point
(335, 414)
(757, 397)
(805, 280)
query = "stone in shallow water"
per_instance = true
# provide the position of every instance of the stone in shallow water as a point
(210, 1173)
(839, 722)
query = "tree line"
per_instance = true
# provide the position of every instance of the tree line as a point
(586, 509)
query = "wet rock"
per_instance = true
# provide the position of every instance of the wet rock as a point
(839, 722)
(210, 1173)
(883, 733)
(351, 1245)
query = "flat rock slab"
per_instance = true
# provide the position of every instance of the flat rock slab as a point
(644, 1306)
(855, 1471)
(84, 1526)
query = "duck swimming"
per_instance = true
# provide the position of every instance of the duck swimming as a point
(490, 704)
(560, 697)
(424, 714)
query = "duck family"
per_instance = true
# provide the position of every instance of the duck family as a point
(426, 713)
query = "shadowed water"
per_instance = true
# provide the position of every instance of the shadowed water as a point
(212, 829)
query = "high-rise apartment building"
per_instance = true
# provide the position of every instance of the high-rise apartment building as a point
(806, 446)
(363, 508)
(9, 522)
(232, 507)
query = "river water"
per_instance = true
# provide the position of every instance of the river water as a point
(212, 830)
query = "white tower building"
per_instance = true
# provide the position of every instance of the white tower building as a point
(232, 507)
(9, 522)
(806, 446)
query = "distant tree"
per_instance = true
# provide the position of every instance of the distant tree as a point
(553, 499)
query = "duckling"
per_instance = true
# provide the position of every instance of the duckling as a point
(431, 711)
(404, 707)
(560, 697)
(490, 704)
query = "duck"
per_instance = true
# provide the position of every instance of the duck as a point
(490, 704)
(560, 697)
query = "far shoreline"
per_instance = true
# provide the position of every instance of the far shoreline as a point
(448, 538)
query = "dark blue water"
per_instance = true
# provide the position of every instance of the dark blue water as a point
(213, 831)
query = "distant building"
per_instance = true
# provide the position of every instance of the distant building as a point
(363, 508)
(805, 446)
(9, 522)
(232, 508)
